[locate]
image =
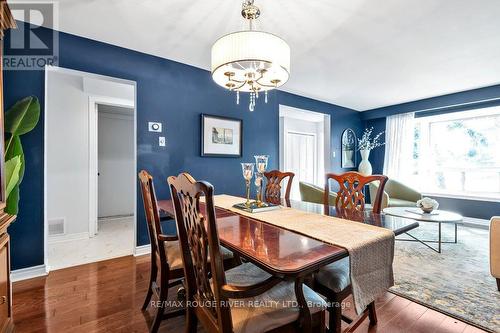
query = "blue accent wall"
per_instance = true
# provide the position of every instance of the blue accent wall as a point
(467, 100)
(169, 92)
(377, 155)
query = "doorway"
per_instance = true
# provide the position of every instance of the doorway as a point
(90, 164)
(304, 146)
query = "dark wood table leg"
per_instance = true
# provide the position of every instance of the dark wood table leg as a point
(305, 313)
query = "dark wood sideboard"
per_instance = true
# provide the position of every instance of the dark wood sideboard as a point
(6, 320)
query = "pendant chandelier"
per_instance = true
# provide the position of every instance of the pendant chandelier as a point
(250, 61)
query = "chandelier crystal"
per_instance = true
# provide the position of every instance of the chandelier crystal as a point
(250, 61)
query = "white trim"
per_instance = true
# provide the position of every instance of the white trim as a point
(487, 111)
(28, 273)
(45, 208)
(142, 250)
(93, 165)
(87, 74)
(68, 237)
(114, 217)
(300, 114)
(460, 196)
(451, 106)
(116, 116)
(94, 101)
(93, 113)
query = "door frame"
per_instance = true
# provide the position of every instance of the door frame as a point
(92, 99)
(286, 111)
(94, 102)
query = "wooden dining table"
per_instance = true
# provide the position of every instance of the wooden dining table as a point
(284, 253)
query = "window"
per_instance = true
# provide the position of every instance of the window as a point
(458, 153)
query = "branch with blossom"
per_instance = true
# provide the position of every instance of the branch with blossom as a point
(367, 143)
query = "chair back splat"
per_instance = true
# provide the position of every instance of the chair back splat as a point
(273, 187)
(199, 241)
(350, 201)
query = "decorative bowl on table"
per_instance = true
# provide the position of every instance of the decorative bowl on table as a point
(427, 205)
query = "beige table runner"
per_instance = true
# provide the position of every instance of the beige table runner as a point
(371, 249)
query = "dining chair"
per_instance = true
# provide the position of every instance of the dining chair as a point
(166, 259)
(272, 192)
(350, 199)
(333, 280)
(226, 301)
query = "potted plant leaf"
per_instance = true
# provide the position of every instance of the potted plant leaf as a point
(20, 119)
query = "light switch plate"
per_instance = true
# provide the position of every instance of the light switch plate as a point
(161, 141)
(154, 127)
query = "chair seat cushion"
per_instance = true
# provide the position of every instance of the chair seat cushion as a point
(335, 276)
(274, 308)
(393, 202)
(174, 254)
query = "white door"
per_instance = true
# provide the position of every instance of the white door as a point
(300, 158)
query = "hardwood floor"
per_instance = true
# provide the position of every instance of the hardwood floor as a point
(107, 297)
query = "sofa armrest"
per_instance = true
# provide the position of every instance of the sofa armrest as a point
(495, 246)
(399, 190)
(373, 187)
(314, 194)
(385, 200)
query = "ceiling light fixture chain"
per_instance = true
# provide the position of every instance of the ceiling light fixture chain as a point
(250, 61)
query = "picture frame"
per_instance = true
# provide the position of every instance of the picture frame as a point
(221, 136)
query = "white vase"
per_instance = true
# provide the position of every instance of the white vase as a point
(365, 167)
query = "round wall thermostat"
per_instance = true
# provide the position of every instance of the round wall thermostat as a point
(154, 126)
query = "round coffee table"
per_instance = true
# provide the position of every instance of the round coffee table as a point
(437, 216)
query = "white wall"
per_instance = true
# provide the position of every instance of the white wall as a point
(67, 144)
(67, 152)
(116, 162)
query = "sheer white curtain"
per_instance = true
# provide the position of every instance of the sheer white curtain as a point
(399, 136)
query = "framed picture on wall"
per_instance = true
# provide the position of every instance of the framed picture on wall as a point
(221, 136)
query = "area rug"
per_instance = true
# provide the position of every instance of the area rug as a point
(456, 282)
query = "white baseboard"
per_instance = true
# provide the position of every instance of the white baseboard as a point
(142, 250)
(476, 223)
(68, 237)
(28, 273)
(114, 217)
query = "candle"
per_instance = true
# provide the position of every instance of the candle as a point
(261, 167)
(258, 181)
(247, 174)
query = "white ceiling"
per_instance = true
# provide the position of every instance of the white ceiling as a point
(361, 54)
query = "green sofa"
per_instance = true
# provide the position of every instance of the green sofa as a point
(314, 193)
(396, 194)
